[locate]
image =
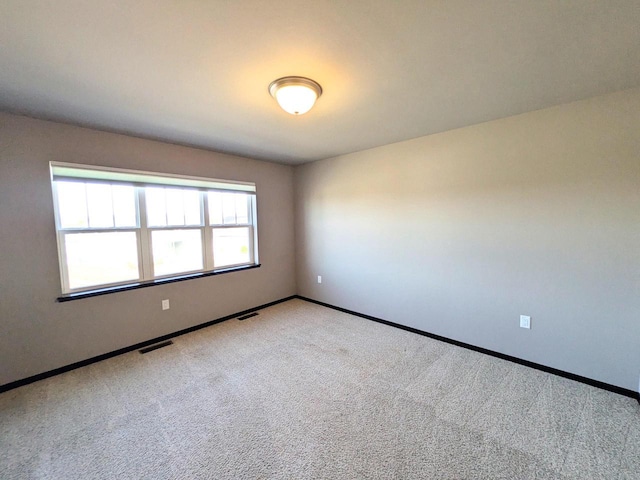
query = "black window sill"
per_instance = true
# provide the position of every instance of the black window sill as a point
(152, 283)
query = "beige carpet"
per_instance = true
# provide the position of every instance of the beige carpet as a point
(302, 391)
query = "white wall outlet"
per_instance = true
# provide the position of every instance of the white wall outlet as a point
(319, 278)
(525, 321)
(165, 304)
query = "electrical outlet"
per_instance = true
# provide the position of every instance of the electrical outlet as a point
(525, 321)
(319, 278)
(165, 304)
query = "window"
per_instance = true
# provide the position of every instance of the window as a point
(118, 227)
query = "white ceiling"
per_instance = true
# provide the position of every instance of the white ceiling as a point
(196, 72)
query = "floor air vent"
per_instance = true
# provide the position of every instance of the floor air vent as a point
(156, 346)
(248, 315)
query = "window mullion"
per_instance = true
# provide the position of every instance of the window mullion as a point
(208, 233)
(253, 220)
(62, 256)
(113, 207)
(64, 271)
(146, 258)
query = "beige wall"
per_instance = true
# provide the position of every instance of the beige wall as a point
(37, 333)
(461, 232)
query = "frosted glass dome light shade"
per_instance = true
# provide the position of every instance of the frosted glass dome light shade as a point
(296, 95)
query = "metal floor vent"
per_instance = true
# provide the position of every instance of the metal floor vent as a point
(248, 315)
(156, 346)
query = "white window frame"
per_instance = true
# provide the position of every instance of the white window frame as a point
(140, 180)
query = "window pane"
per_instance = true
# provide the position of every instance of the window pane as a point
(230, 246)
(229, 208)
(176, 251)
(192, 207)
(100, 205)
(101, 258)
(175, 207)
(215, 208)
(242, 208)
(156, 207)
(72, 204)
(124, 205)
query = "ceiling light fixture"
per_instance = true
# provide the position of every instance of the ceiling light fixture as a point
(296, 95)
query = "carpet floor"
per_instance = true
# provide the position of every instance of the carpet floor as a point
(304, 392)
